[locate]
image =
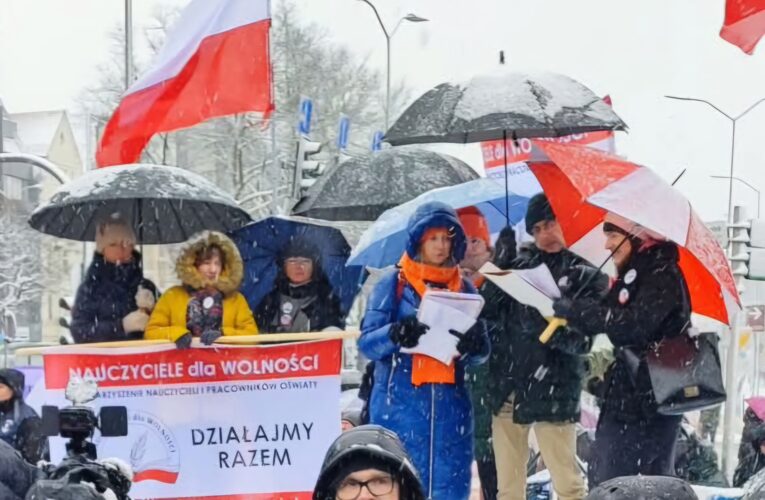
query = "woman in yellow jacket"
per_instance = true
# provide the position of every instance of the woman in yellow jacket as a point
(208, 303)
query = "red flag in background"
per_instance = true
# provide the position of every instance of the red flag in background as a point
(744, 23)
(215, 62)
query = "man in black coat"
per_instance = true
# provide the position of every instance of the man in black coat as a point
(20, 426)
(533, 383)
(114, 301)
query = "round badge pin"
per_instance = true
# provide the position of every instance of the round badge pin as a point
(624, 296)
(286, 320)
(208, 302)
(287, 307)
(629, 278)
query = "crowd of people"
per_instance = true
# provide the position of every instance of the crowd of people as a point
(431, 420)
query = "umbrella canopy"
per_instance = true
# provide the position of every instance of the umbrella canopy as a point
(744, 23)
(384, 242)
(584, 184)
(262, 242)
(163, 204)
(503, 105)
(363, 188)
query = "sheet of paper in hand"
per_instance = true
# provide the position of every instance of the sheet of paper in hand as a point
(443, 311)
(533, 287)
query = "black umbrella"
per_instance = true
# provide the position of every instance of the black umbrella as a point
(163, 204)
(363, 188)
(501, 105)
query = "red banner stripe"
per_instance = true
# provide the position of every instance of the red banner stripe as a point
(219, 364)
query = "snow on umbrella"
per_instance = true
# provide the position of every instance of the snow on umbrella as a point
(383, 243)
(501, 105)
(583, 184)
(363, 188)
(261, 243)
(163, 204)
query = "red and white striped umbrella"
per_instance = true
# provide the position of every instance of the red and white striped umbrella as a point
(584, 184)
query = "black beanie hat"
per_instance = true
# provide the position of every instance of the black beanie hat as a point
(301, 247)
(539, 210)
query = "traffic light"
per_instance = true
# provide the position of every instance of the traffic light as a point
(747, 258)
(756, 263)
(307, 170)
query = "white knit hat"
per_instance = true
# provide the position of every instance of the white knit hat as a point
(114, 231)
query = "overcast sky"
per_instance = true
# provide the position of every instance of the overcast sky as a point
(635, 51)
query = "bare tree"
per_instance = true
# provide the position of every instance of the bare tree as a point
(236, 152)
(21, 280)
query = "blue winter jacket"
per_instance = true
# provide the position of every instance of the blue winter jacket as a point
(434, 421)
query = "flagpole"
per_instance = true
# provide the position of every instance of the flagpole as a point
(128, 43)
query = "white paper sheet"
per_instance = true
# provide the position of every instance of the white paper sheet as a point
(534, 287)
(443, 311)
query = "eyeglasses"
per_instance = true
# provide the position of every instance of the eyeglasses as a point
(350, 489)
(298, 261)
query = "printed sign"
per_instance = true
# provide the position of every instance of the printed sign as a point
(219, 422)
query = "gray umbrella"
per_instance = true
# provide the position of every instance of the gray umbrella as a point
(363, 188)
(503, 105)
(163, 204)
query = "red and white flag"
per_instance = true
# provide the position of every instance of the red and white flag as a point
(215, 62)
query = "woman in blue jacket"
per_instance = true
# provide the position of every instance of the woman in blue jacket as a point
(421, 399)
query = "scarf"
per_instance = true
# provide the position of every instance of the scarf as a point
(427, 370)
(199, 318)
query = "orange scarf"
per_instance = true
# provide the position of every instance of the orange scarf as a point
(427, 370)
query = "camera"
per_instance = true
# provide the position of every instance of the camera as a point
(79, 422)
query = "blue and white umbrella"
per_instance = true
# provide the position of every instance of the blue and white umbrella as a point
(384, 242)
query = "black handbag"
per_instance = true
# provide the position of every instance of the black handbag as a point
(685, 373)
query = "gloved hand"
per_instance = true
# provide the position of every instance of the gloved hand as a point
(184, 341)
(472, 341)
(210, 336)
(563, 307)
(135, 321)
(407, 332)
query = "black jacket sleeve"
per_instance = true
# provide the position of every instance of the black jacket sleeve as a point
(86, 326)
(30, 441)
(638, 322)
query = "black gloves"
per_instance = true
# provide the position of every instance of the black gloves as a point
(584, 282)
(210, 336)
(563, 307)
(407, 332)
(184, 341)
(472, 341)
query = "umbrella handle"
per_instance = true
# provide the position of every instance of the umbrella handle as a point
(553, 325)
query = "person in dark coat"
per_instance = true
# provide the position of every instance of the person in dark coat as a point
(20, 426)
(114, 301)
(424, 401)
(302, 299)
(479, 251)
(365, 463)
(16, 474)
(535, 384)
(751, 451)
(648, 302)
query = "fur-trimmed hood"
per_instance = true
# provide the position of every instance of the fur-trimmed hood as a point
(233, 271)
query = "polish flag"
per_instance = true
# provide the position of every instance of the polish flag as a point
(215, 62)
(744, 23)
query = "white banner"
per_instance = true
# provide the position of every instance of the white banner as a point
(215, 423)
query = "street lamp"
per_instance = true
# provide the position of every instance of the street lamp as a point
(412, 18)
(730, 362)
(742, 181)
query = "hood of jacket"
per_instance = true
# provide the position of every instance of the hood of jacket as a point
(433, 215)
(230, 277)
(13, 379)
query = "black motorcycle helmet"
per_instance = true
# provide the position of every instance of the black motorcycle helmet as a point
(367, 446)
